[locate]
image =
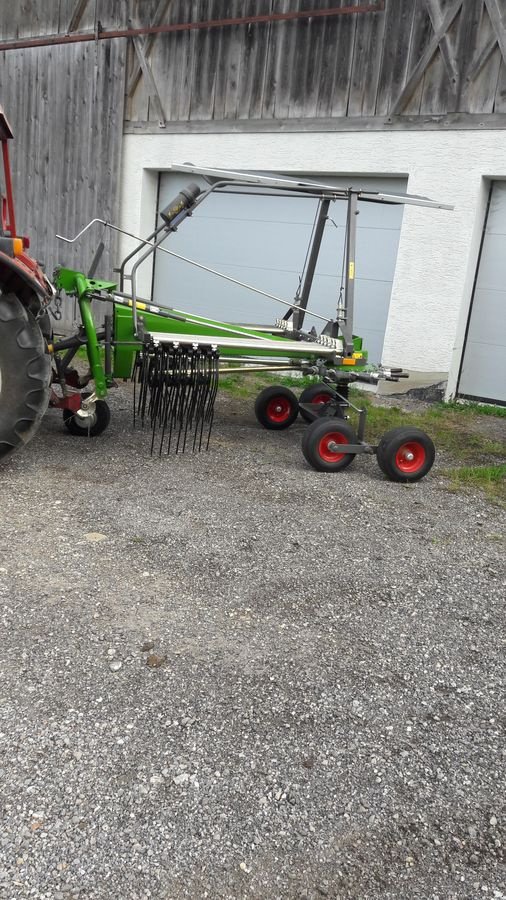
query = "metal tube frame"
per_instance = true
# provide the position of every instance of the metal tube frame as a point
(345, 317)
(160, 234)
(298, 316)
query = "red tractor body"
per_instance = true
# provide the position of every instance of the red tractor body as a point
(20, 274)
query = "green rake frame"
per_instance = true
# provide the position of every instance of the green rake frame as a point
(176, 357)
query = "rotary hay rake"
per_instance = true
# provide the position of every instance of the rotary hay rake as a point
(176, 358)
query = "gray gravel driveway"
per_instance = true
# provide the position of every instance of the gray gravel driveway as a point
(322, 713)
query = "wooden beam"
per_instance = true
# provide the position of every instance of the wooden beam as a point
(447, 122)
(498, 19)
(480, 58)
(436, 18)
(148, 75)
(147, 45)
(426, 58)
(77, 15)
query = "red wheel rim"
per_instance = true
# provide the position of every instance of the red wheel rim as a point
(321, 398)
(324, 450)
(279, 409)
(410, 457)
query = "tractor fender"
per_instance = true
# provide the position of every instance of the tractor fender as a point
(33, 292)
(16, 278)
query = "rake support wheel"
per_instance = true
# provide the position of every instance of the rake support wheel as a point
(276, 408)
(24, 375)
(91, 425)
(405, 454)
(320, 444)
(318, 395)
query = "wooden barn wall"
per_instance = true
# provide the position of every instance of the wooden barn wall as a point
(364, 66)
(65, 105)
(415, 63)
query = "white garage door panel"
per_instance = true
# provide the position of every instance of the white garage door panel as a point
(489, 327)
(263, 241)
(493, 262)
(483, 373)
(479, 377)
(279, 245)
(206, 294)
(496, 223)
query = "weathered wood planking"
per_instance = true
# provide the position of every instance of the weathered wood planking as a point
(65, 104)
(204, 72)
(500, 94)
(396, 56)
(341, 35)
(256, 51)
(368, 64)
(482, 90)
(286, 64)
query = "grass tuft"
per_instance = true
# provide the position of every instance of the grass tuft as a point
(470, 408)
(490, 479)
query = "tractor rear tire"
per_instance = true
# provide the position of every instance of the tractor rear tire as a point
(25, 369)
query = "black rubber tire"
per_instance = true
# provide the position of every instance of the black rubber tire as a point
(415, 441)
(316, 433)
(25, 371)
(265, 404)
(317, 390)
(84, 428)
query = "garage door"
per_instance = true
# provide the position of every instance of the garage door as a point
(483, 373)
(263, 241)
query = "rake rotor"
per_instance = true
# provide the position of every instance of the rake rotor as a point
(177, 391)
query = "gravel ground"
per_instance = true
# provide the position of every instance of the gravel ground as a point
(322, 712)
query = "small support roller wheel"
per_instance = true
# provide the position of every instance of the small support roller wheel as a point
(90, 425)
(276, 408)
(321, 444)
(405, 454)
(318, 395)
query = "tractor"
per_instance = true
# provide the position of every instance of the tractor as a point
(25, 295)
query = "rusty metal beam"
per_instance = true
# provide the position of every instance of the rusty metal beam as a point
(48, 40)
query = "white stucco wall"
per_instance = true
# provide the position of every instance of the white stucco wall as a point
(438, 250)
